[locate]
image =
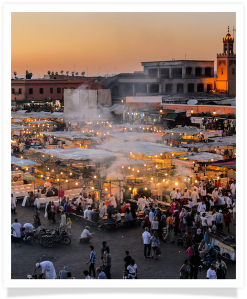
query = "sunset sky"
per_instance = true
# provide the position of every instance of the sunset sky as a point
(98, 43)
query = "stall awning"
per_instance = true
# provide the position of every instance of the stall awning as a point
(227, 163)
(171, 116)
(22, 162)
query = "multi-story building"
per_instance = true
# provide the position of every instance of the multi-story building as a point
(179, 76)
(49, 89)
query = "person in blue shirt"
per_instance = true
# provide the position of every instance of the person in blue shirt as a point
(100, 273)
(92, 260)
(110, 219)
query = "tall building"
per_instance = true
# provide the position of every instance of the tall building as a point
(226, 67)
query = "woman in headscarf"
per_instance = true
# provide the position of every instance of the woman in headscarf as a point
(182, 218)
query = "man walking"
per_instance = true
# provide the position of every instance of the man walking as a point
(146, 241)
(92, 260)
(107, 262)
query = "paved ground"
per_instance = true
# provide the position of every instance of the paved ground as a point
(76, 255)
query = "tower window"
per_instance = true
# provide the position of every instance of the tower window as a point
(41, 91)
(30, 90)
(13, 91)
(221, 71)
(233, 71)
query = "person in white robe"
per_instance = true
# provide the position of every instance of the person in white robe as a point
(48, 269)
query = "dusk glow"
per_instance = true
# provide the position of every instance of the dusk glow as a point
(101, 43)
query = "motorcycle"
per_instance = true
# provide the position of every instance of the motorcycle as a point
(56, 237)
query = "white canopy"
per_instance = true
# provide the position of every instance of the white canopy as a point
(227, 139)
(136, 136)
(127, 125)
(22, 114)
(144, 148)
(68, 134)
(203, 157)
(205, 145)
(185, 130)
(22, 162)
(39, 122)
(77, 153)
(16, 127)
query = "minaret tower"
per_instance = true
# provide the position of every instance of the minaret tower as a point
(226, 67)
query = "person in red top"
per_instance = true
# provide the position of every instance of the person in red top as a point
(61, 193)
(227, 220)
(68, 208)
(148, 223)
(53, 212)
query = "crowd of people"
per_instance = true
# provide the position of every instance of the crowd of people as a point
(187, 218)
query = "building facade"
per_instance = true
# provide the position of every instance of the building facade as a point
(49, 89)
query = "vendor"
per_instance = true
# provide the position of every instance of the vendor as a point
(86, 234)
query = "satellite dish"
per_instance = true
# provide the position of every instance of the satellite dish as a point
(77, 73)
(72, 73)
(67, 72)
(192, 102)
(83, 73)
(61, 72)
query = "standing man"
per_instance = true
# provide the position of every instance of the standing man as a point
(186, 196)
(47, 269)
(204, 193)
(16, 227)
(13, 203)
(107, 262)
(219, 220)
(173, 194)
(194, 196)
(220, 268)
(201, 207)
(103, 249)
(53, 212)
(211, 274)
(233, 190)
(170, 227)
(146, 241)
(92, 260)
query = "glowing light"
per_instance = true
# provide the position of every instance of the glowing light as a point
(47, 178)
(195, 181)
(146, 188)
(66, 181)
(164, 180)
(61, 172)
(105, 189)
(133, 169)
(71, 173)
(58, 180)
(95, 176)
(192, 111)
(42, 175)
(122, 166)
(176, 183)
(145, 164)
(165, 173)
(161, 110)
(128, 167)
(129, 188)
(138, 170)
(152, 179)
(93, 188)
